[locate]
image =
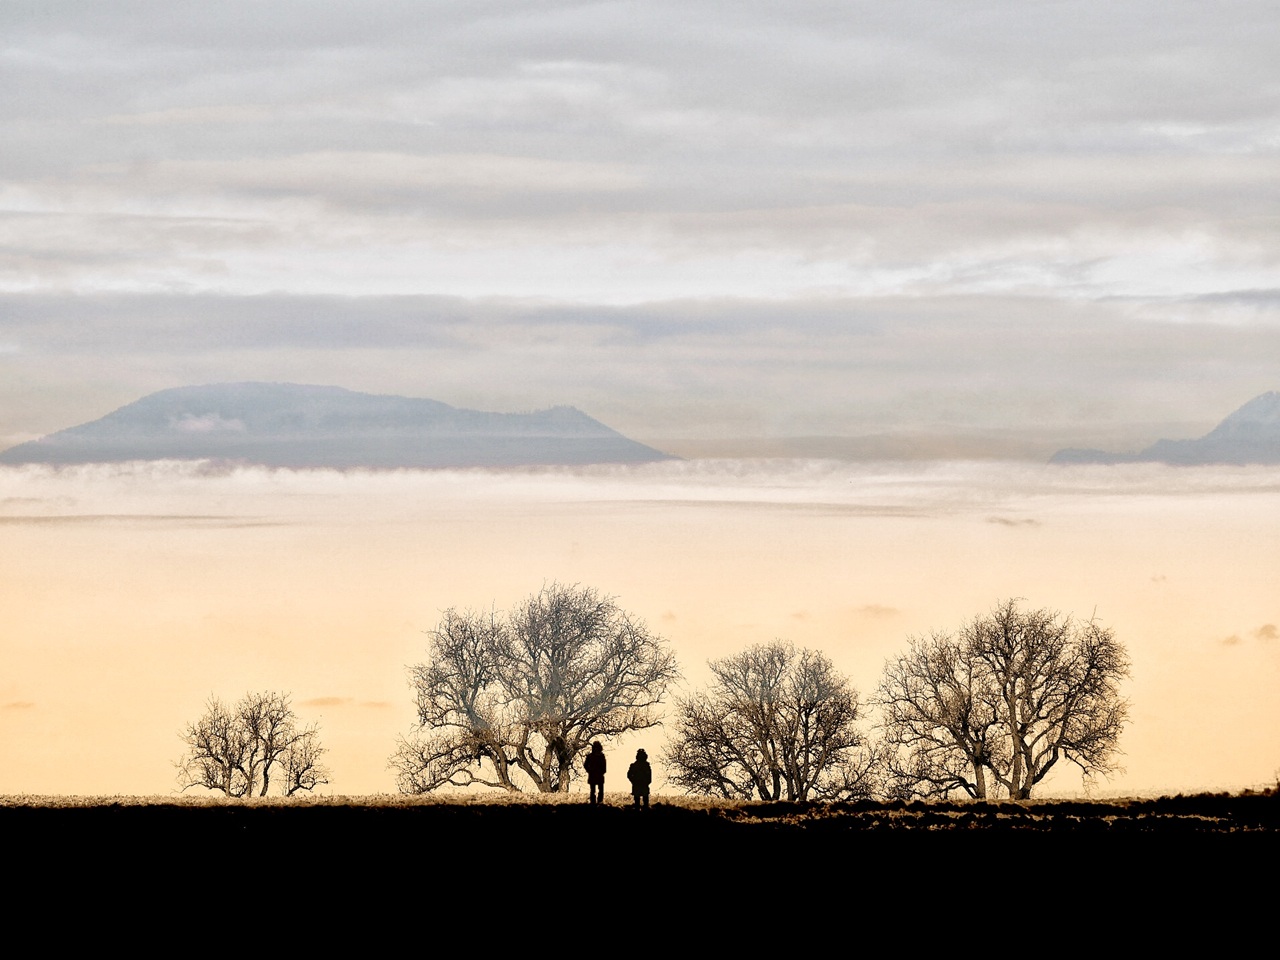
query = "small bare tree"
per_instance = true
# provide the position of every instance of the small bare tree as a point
(994, 707)
(512, 701)
(776, 723)
(238, 750)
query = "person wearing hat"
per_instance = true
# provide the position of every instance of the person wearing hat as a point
(641, 775)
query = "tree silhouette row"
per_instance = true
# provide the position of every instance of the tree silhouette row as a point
(513, 700)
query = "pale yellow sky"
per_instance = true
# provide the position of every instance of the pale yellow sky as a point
(132, 594)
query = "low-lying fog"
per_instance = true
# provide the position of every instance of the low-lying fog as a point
(130, 594)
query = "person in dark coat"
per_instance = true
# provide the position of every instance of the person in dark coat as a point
(641, 775)
(594, 765)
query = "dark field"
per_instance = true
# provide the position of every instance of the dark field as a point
(373, 830)
(460, 873)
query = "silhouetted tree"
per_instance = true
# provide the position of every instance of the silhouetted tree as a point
(240, 749)
(504, 701)
(777, 723)
(994, 706)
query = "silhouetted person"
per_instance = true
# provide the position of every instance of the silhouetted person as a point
(641, 775)
(594, 765)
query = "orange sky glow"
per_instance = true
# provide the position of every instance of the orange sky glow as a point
(133, 593)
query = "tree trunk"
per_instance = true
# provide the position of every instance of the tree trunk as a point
(565, 769)
(1015, 742)
(1022, 784)
(979, 781)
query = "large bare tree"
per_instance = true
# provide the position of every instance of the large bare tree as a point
(239, 749)
(776, 723)
(512, 701)
(992, 708)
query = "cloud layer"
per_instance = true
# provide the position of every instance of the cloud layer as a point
(952, 376)
(699, 219)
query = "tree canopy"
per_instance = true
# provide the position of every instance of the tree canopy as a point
(241, 750)
(995, 705)
(511, 700)
(776, 723)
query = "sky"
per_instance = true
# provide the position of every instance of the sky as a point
(999, 228)
(954, 235)
(132, 593)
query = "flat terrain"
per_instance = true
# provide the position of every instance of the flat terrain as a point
(367, 826)
(460, 872)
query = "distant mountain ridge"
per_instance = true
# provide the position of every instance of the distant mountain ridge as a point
(1249, 435)
(300, 426)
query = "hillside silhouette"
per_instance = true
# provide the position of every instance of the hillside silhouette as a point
(1251, 434)
(300, 426)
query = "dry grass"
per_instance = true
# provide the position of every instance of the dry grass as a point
(1248, 811)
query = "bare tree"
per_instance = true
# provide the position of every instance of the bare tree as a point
(238, 750)
(512, 701)
(940, 725)
(776, 723)
(994, 707)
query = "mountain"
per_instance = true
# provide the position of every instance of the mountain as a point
(291, 425)
(1250, 435)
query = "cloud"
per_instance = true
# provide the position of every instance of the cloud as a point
(210, 423)
(621, 147)
(18, 705)
(378, 184)
(1007, 522)
(1265, 634)
(230, 522)
(327, 702)
(871, 368)
(878, 612)
(813, 223)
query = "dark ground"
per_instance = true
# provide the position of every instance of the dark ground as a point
(1182, 860)
(369, 829)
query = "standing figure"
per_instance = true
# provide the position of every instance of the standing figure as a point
(594, 765)
(641, 775)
